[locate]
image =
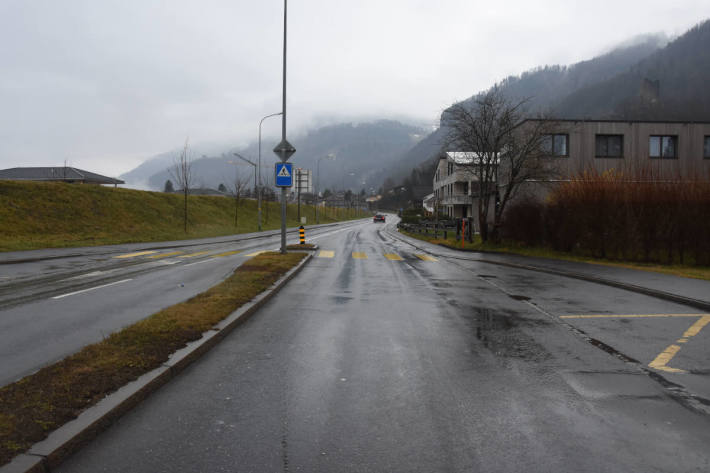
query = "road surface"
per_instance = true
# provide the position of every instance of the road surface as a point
(379, 357)
(54, 302)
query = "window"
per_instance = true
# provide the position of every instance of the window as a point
(609, 146)
(663, 146)
(706, 148)
(556, 145)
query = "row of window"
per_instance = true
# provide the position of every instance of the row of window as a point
(612, 146)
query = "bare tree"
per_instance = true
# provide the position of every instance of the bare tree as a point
(238, 189)
(181, 172)
(504, 151)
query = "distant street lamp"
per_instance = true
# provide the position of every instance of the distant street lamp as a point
(259, 192)
(330, 156)
(248, 161)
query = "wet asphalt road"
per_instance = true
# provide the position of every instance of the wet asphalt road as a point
(364, 363)
(64, 299)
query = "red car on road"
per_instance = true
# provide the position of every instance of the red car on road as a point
(378, 218)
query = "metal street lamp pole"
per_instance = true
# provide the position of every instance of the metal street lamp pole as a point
(284, 158)
(259, 192)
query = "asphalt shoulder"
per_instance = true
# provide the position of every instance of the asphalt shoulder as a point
(695, 292)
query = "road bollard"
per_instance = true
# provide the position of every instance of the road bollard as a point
(302, 234)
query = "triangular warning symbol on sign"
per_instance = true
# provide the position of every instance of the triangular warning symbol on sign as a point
(284, 172)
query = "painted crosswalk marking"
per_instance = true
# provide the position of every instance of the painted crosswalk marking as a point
(165, 255)
(227, 253)
(132, 255)
(393, 257)
(192, 255)
(425, 257)
(326, 254)
(359, 255)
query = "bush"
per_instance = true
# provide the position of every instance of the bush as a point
(612, 215)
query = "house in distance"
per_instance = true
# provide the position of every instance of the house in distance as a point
(56, 174)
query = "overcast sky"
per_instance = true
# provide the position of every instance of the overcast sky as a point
(107, 84)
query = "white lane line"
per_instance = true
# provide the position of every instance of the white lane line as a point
(91, 289)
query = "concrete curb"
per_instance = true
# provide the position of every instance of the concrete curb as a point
(698, 304)
(43, 456)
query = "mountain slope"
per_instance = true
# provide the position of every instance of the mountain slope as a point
(680, 71)
(363, 151)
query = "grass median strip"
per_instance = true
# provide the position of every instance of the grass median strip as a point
(41, 402)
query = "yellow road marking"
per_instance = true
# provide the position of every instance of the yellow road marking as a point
(227, 253)
(393, 257)
(662, 360)
(426, 257)
(165, 255)
(131, 255)
(359, 255)
(326, 254)
(257, 253)
(192, 255)
(628, 316)
(697, 326)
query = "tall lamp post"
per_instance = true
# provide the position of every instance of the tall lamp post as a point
(284, 149)
(330, 156)
(259, 192)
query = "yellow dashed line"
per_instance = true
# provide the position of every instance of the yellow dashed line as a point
(359, 255)
(228, 253)
(629, 316)
(426, 257)
(393, 257)
(326, 254)
(165, 255)
(192, 255)
(131, 255)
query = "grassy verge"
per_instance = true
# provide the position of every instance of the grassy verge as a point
(39, 403)
(51, 215)
(695, 272)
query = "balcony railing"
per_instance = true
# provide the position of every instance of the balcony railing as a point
(460, 199)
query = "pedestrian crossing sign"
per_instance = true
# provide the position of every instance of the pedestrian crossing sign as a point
(284, 174)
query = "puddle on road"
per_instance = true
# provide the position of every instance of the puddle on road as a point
(501, 333)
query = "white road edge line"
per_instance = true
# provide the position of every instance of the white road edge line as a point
(91, 289)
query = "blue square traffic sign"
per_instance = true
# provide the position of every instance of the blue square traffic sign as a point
(284, 174)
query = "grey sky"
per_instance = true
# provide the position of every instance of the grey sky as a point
(107, 84)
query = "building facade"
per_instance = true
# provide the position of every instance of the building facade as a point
(640, 150)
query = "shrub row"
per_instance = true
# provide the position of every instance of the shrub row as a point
(613, 216)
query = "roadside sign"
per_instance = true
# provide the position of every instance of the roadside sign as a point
(284, 150)
(284, 174)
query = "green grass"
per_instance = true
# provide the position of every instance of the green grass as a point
(50, 215)
(39, 403)
(695, 272)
